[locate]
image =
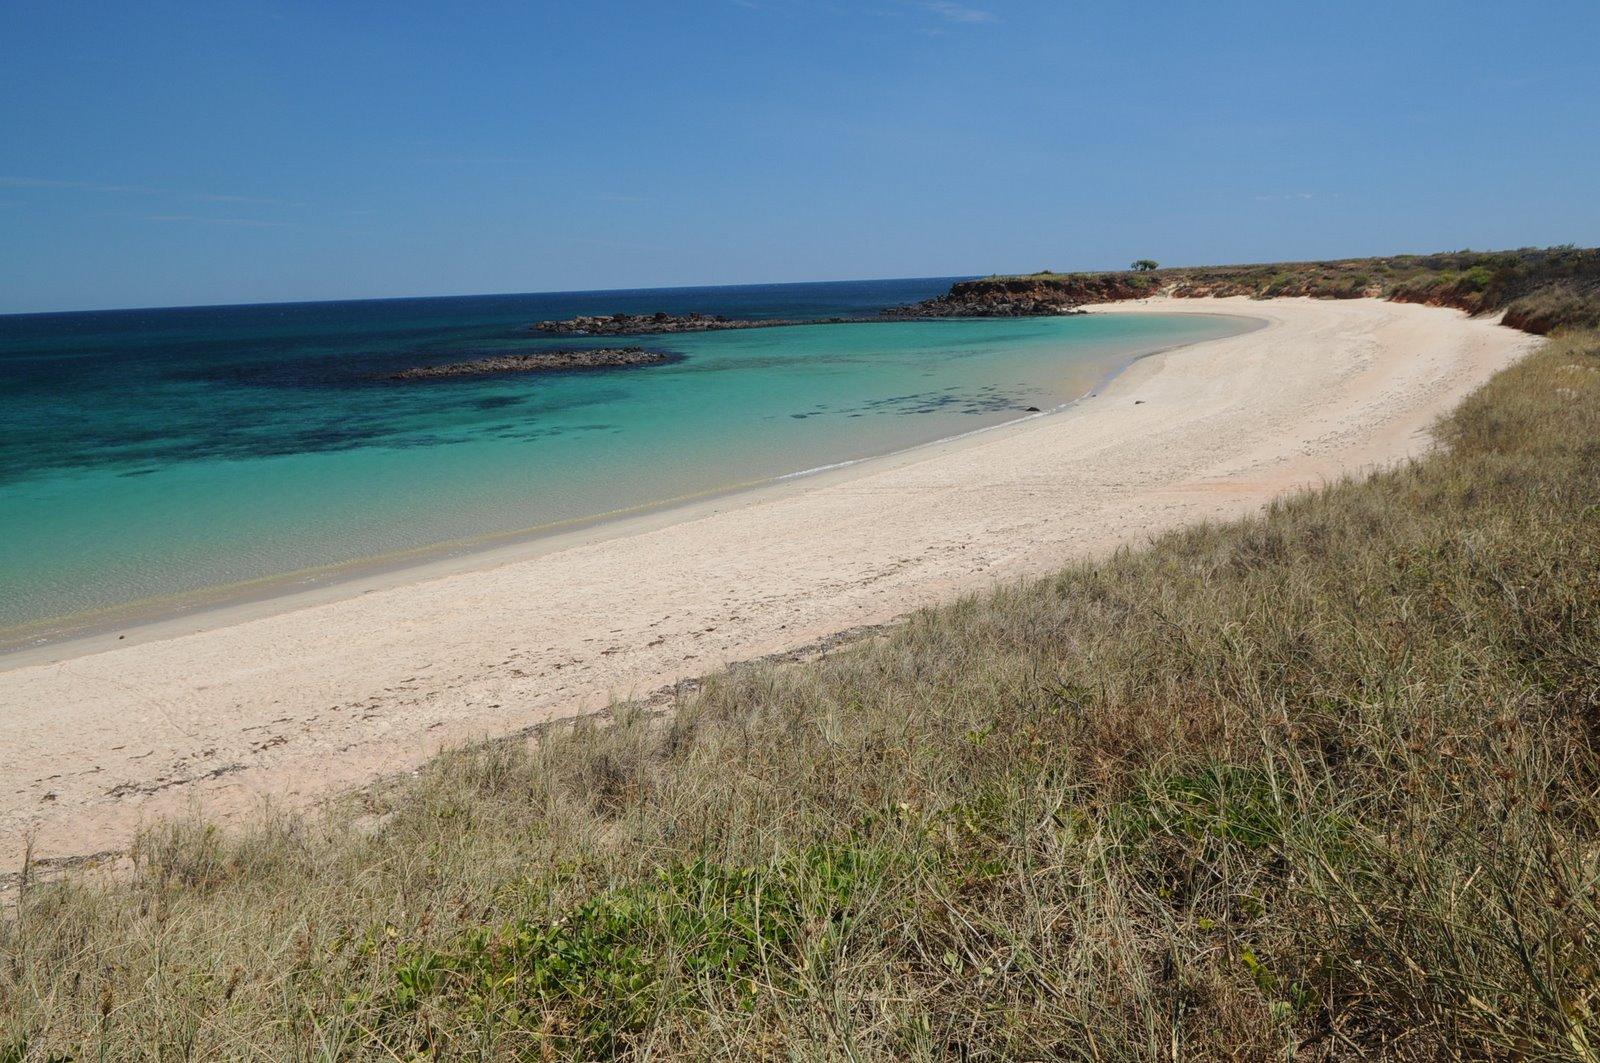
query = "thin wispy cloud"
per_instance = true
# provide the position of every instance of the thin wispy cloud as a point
(470, 160)
(217, 197)
(104, 188)
(75, 186)
(201, 219)
(946, 12)
(1270, 197)
(609, 245)
(953, 12)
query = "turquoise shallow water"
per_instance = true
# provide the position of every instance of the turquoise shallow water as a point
(163, 453)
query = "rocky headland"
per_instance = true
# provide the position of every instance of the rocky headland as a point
(1540, 290)
(540, 362)
(1039, 295)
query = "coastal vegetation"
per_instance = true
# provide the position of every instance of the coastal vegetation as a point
(1320, 783)
(1540, 290)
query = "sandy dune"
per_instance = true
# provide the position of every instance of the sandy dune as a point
(224, 708)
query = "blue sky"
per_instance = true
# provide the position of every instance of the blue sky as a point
(160, 153)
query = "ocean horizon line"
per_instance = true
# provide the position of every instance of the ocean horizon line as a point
(551, 293)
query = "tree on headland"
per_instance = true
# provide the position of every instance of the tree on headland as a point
(1144, 265)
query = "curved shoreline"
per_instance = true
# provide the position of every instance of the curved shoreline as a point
(146, 620)
(297, 704)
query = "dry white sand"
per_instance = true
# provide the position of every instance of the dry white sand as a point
(225, 708)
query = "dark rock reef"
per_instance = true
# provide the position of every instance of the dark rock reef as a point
(654, 324)
(540, 362)
(1037, 295)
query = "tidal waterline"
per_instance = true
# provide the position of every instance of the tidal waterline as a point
(152, 454)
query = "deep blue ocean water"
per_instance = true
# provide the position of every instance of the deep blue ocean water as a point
(146, 454)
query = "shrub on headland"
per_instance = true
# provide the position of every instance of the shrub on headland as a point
(1553, 308)
(1321, 783)
(1541, 290)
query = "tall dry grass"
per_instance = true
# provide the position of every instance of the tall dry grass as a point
(1320, 784)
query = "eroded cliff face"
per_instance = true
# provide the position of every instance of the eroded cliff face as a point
(1556, 308)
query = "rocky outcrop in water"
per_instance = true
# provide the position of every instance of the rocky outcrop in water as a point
(654, 324)
(540, 362)
(1039, 295)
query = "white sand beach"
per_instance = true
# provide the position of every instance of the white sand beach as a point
(293, 699)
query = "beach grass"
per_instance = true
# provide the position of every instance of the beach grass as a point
(1318, 784)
